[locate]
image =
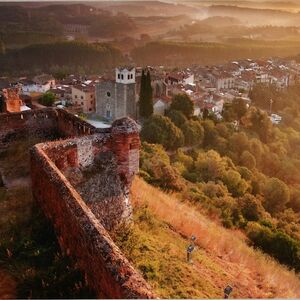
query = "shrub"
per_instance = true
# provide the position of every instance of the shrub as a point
(277, 194)
(276, 243)
(47, 99)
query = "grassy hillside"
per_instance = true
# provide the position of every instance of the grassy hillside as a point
(157, 246)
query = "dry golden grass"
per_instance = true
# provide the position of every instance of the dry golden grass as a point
(249, 269)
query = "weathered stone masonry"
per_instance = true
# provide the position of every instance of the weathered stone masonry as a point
(82, 185)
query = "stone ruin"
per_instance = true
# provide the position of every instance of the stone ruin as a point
(82, 184)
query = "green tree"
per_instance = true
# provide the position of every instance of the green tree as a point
(234, 182)
(160, 130)
(210, 133)
(146, 101)
(251, 207)
(183, 103)
(248, 160)
(193, 133)
(277, 195)
(295, 199)
(47, 99)
(183, 158)
(210, 166)
(156, 167)
(177, 117)
(239, 107)
(258, 121)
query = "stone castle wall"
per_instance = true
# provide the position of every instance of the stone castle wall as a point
(42, 122)
(101, 167)
(82, 184)
(82, 235)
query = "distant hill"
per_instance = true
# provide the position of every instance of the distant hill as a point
(186, 54)
(255, 16)
(69, 56)
(217, 21)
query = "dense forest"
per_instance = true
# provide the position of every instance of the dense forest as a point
(247, 176)
(184, 54)
(20, 25)
(63, 56)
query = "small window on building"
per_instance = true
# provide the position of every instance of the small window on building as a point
(128, 76)
(75, 96)
(92, 96)
(119, 76)
(81, 97)
(108, 94)
(122, 76)
(90, 109)
(131, 76)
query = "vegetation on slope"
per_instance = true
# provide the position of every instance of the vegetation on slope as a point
(222, 257)
(60, 56)
(186, 54)
(247, 177)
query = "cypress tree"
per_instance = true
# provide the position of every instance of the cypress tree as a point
(142, 95)
(146, 102)
(149, 96)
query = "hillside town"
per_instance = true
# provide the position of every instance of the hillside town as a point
(96, 96)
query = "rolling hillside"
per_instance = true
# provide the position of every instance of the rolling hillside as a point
(163, 225)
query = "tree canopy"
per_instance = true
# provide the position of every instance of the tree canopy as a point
(47, 99)
(160, 130)
(184, 104)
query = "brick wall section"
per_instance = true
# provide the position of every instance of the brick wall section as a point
(38, 122)
(111, 160)
(45, 122)
(108, 272)
(71, 125)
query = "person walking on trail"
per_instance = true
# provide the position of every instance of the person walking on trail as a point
(189, 251)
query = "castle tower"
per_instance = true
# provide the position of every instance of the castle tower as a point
(117, 99)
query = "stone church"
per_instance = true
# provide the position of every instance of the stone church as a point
(117, 98)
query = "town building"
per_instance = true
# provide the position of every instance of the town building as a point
(39, 84)
(117, 98)
(83, 96)
(161, 104)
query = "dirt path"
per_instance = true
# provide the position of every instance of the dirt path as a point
(7, 286)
